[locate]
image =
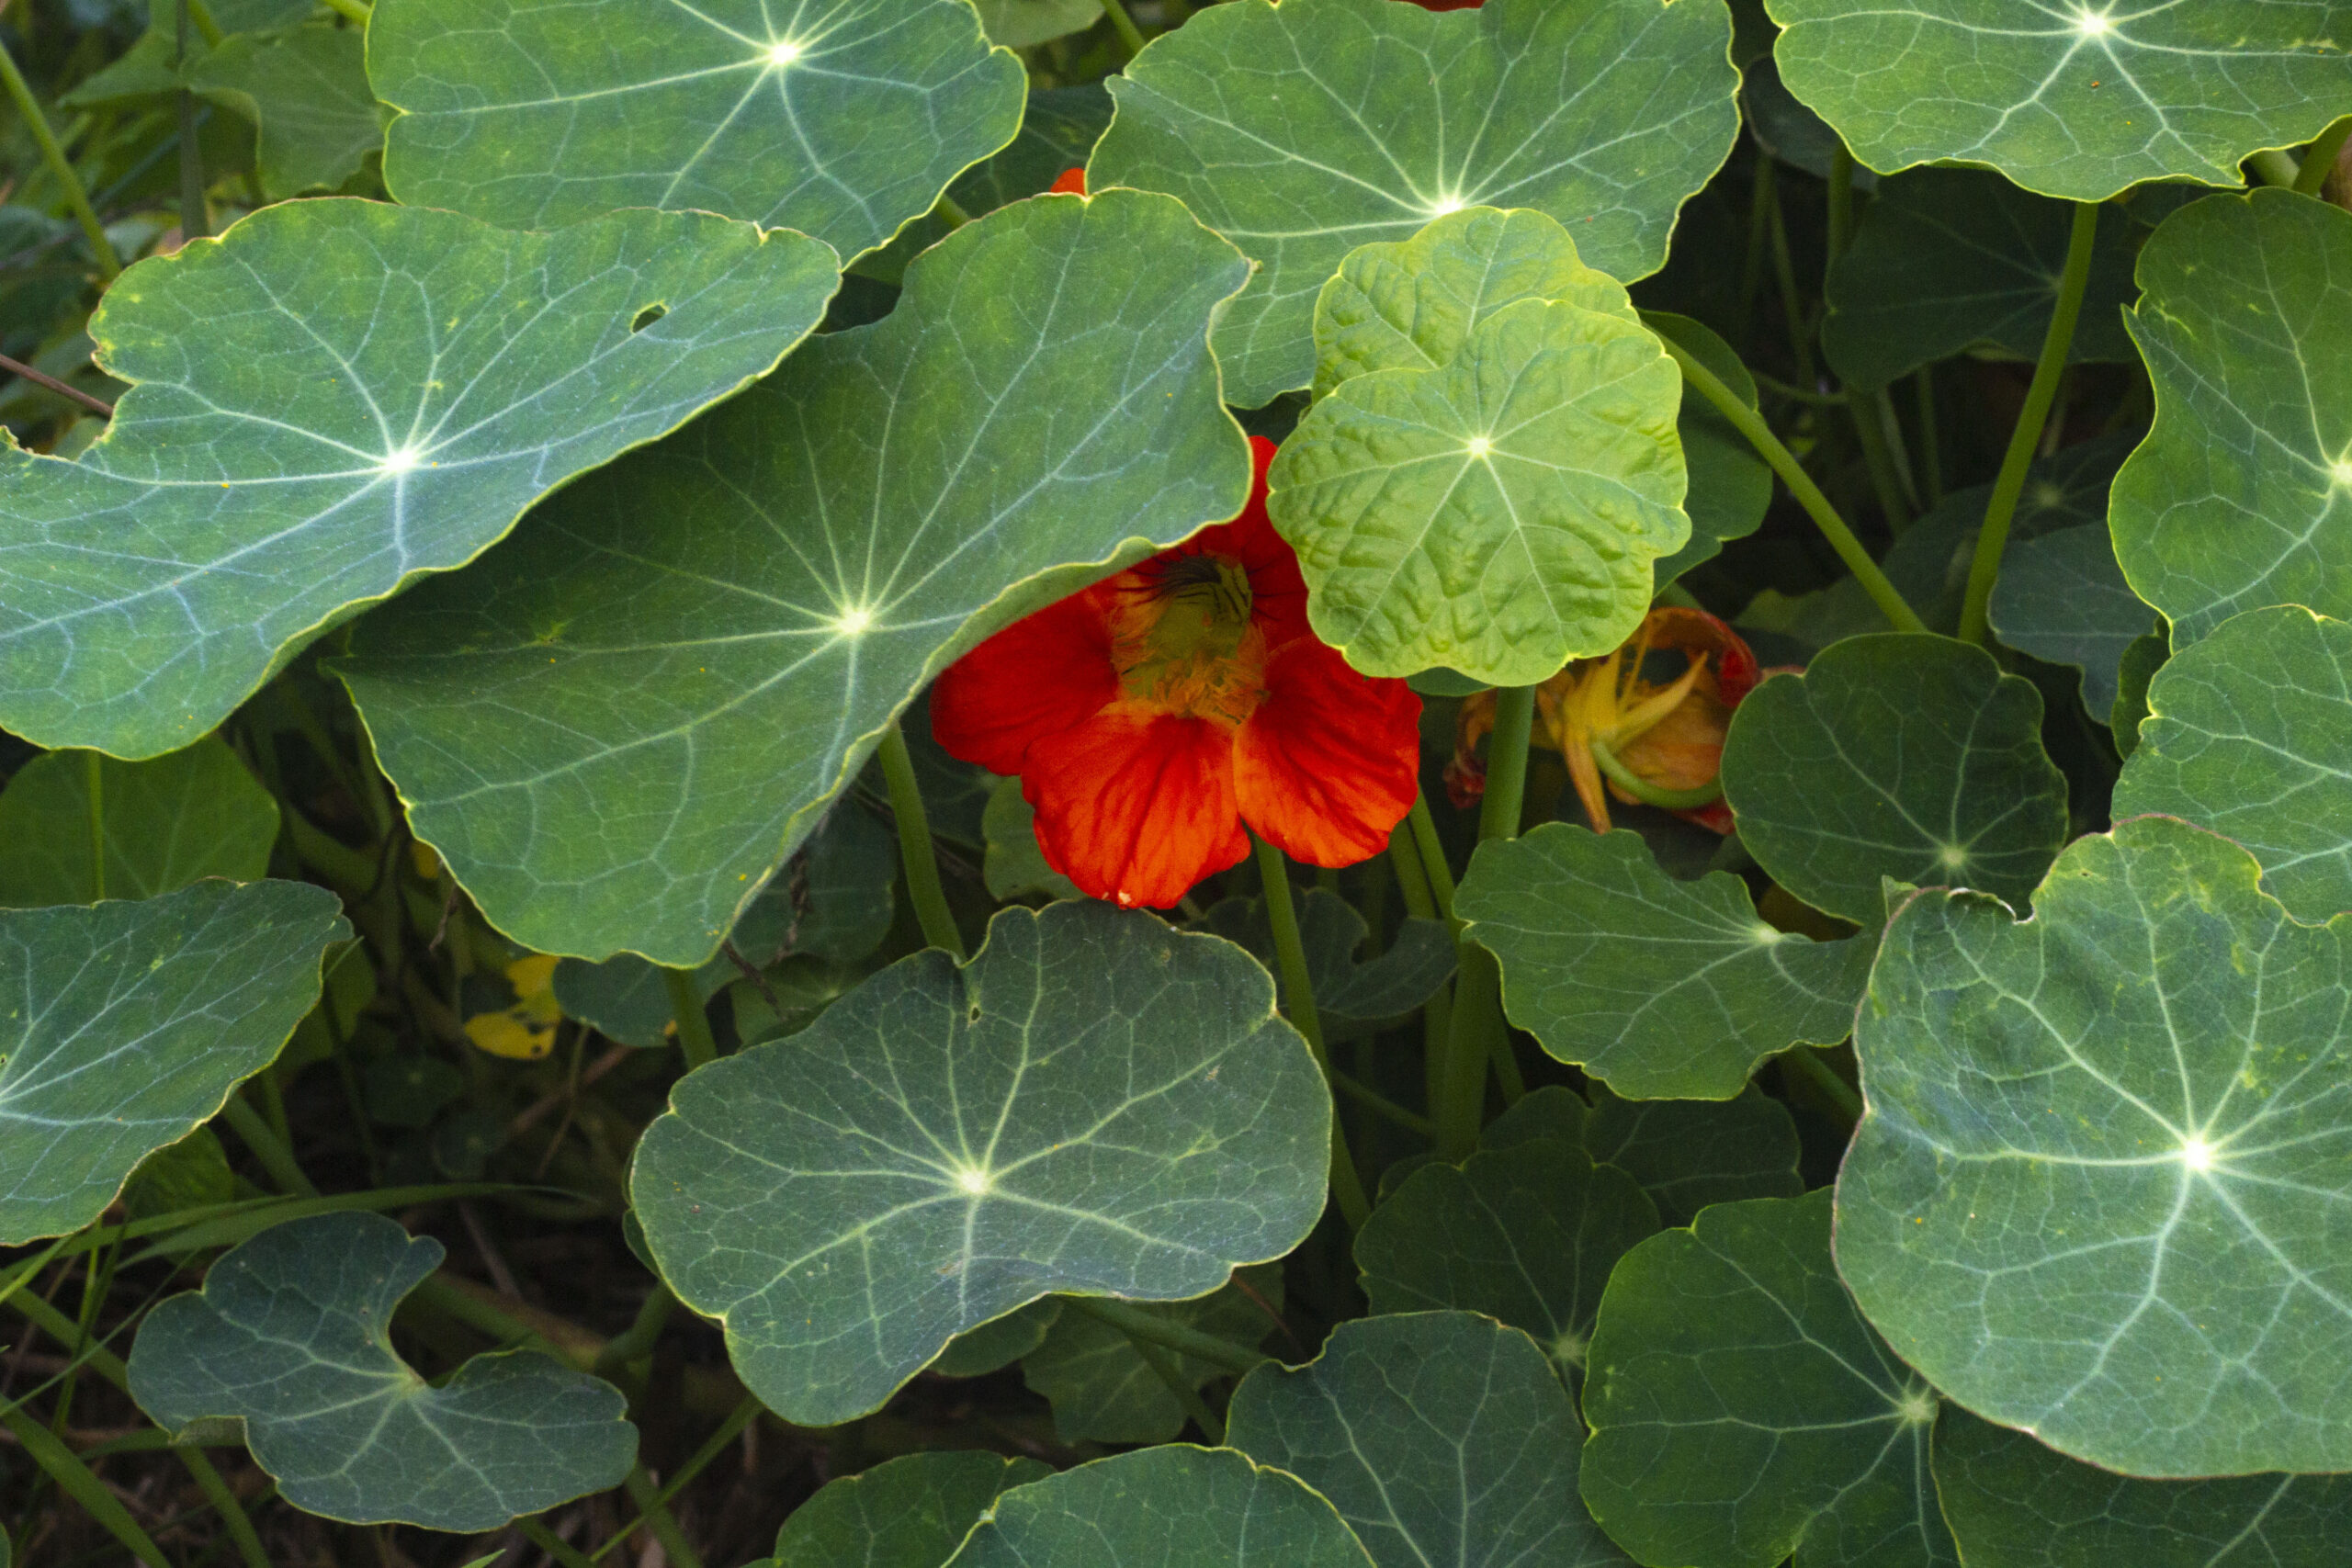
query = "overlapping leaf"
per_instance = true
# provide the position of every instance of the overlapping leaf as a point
(1896, 755)
(166, 823)
(1304, 130)
(2249, 733)
(1742, 1410)
(617, 726)
(2013, 1504)
(2102, 1190)
(911, 1512)
(1096, 1105)
(331, 400)
(305, 90)
(292, 1334)
(2062, 598)
(1442, 1438)
(2077, 101)
(124, 1025)
(1103, 1391)
(842, 118)
(1947, 260)
(2242, 495)
(1172, 1506)
(1657, 987)
(1419, 956)
(1687, 1153)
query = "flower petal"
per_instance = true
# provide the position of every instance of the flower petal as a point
(1039, 676)
(1135, 806)
(1330, 761)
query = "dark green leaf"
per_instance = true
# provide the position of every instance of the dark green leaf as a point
(1387, 985)
(2141, 661)
(1013, 867)
(2062, 598)
(1017, 24)
(1103, 1391)
(1730, 486)
(999, 1342)
(1687, 1153)
(307, 91)
(193, 814)
(912, 1512)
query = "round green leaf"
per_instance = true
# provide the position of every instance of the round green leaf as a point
(1442, 1438)
(2249, 733)
(1687, 1153)
(2242, 495)
(1742, 1410)
(613, 733)
(1499, 516)
(1947, 260)
(124, 1025)
(291, 1335)
(842, 118)
(2077, 101)
(1304, 130)
(911, 1512)
(1420, 957)
(1103, 1391)
(168, 822)
(2062, 598)
(1096, 1105)
(331, 400)
(1900, 756)
(2103, 1189)
(1663, 989)
(2013, 1504)
(1173, 1507)
(1526, 1234)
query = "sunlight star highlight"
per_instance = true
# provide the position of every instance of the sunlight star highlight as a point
(1155, 715)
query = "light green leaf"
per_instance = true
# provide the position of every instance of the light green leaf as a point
(1499, 516)
(1304, 130)
(2242, 495)
(1731, 487)
(910, 1512)
(292, 1334)
(2013, 1504)
(1172, 1506)
(1103, 1392)
(124, 1025)
(1013, 867)
(2077, 102)
(2062, 598)
(2101, 1189)
(1663, 989)
(168, 822)
(1441, 1437)
(331, 400)
(1687, 1153)
(1418, 959)
(1949, 260)
(999, 1342)
(1896, 755)
(2249, 733)
(1096, 1105)
(843, 120)
(1526, 1234)
(306, 89)
(1742, 1410)
(1017, 24)
(614, 734)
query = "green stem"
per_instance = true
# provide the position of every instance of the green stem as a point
(658, 1519)
(1164, 1367)
(351, 10)
(1999, 512)
(1780, 389)
(636, 1341)
(2319, 159)
(1433, 864)
(276, 1158)
(694, 1038)
(1136, 1324)
(1749, 424)
(1460, 1109)
(914, 846)
(1407, 862)
(75, 1479)
(2274, 168)
(1131, 37)
(1785, 273)
(1381, 1105)
(1807, 1063)
(951, 211)
(1648, 794)
(94, 779)
(743, 1415)
(1298, 997)
(1760, 238)
(60, 167)
(547, 1541)
(196, 214)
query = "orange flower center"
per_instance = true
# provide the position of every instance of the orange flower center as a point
(1184, 641)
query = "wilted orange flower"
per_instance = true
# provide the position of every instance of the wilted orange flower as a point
(1153, 715)
(1609, 721)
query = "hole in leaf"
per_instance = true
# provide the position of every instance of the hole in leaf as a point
(647, 317)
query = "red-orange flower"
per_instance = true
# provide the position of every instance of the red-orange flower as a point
(1153, 715)
(1071, 182)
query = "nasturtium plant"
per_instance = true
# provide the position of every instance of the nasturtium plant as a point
(1086, 784)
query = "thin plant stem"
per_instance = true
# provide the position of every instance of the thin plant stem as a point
(1460, 1108)
(1785, 273)
(351, 10)
(1931, 447)
(267, 1148)
(2048, 371)
(743, 1415)
(1131, 37)
(1807, 1063)
(2319, 160)
(1137, 1324)
(1749, 424)
(915, 848)
(1759, 242)
(636, 1342)
(66, 389)
(657, 1519)
(1164, 1367)
(1381, 1105)
(1298, 998)
(1433, 864)
(2274, 168)
(951, 211)
(60, 167)
(1506, 1065)
(554, 1545)
(1780, 389)
(1648, 794)
(695, 1040)
(75, 1479)
(94, 778)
